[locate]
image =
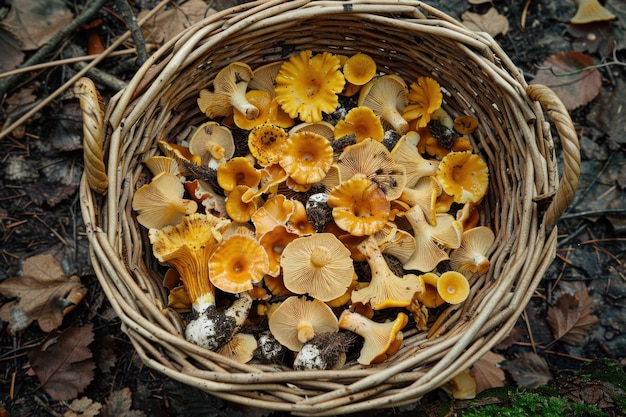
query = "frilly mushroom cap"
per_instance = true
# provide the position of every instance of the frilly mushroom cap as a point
(359, 69)
(431, 238)
(306, 157)
(591, 11)
(160, 203)
(465, 125)
(379, 338)
(297, 320)
(158, 163)
(359, 206)
(463, 175)
(260, 99)
(423, 195)
(387, 96)
(237, 171)
(429, 145)
(229, 91)
(240, 348)
(298, 222)
(430, 297)
(237, 263)
(362, 122)
(424, 98)
(188, 247)
(385, 290)
(453, 287)
(318, 265)
(471, 257)
(181, 154)
(237, 209)
(212, 141)
(372, 159)
(266, 143)
(274, 242)
(401, 246)
(308, 85)
(276, 211)
(416, 166)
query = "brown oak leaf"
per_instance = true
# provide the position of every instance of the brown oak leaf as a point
(570, 318)
(63, 362)
(491, 22)
(118, 405)
(487, 372)
(570, 74)
(44, 293)
(529, 370)
(83, 407)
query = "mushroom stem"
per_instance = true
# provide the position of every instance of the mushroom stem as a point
(212, 329)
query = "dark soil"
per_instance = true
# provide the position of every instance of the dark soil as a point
(41, 165)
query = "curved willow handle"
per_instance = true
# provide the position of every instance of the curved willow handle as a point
(93, 125)
(571, 150)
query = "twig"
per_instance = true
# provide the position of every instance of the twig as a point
(614, 212)
(102, 78)
(52, 45)
(79, 74)
(131, 21)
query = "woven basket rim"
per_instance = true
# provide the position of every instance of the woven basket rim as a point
(519, 149)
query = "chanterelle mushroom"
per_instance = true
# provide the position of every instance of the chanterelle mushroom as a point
(229, 91)
(591, 11)
(387, 96)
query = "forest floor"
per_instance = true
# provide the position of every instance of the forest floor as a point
(41, 165)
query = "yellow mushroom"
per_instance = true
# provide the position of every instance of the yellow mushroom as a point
(424, 98)
(380, 340)
(274, 242)
(359, 69)
(240, 348)
(229, 91)
(266, 143)
(307, 86)
(362, 122)
(430, 297)
(274, 212)
(463, 175)
(453, 287)
(318, 265)
(306, 157)
(211, 141)
(471, 256)
(160, 203)
(387, 96)
(405, 152)
(237, 171)
(589, 11)
(237, 209)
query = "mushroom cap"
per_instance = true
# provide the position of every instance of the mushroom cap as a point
(401, 246)
(416, 166)
(385, 289)
(159, 163)
(265, 77)
(591, 11)
(372, 159)
(188, 247)
(453, 287)
(322, 128)
(430, 297)
(274, 242)
(306, 157)
(424, 195)
(429, 145)
(160, 202)
(266, 143)
(463, 175)
(446, 232)
(379, 338)
(212, 141)
(181, 154)
(424, 98)
(298, 222)
(240, 348)
(387, 96)
(237, 209)
(237, 263)
(260, 99)
(229, 86)
(462, 386)
(318, 265)
(276, 211)
(359, 69)
(296, 320)
(465, 125)
(362, 122)
(470, 257)
(359, 206)
(308, 85)
(237, 171)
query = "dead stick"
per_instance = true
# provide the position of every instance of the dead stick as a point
(135, 30)
(52, 45)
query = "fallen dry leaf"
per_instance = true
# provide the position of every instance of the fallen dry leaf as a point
(44, 293)
(11, 55)
(570, 318)
(83, 407)
(570, 74)
(63, 363)
(529, 370)
(34, 22)
(487, 372)
(118, 405)
(491, 22)
(171, 22)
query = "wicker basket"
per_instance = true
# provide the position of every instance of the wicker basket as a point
(525, 199)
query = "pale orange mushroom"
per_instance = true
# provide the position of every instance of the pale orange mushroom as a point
(237, 171)
(359, 69)
(471, 255)
(362, 122)
(229, 91)
(424, 97)
(453, 287)
(405, 152)
(266, 143)
(274, 241)
(306, 157)
(387, 96)
(589, 11)
(463, 175)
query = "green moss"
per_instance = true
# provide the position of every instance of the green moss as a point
(523, 404)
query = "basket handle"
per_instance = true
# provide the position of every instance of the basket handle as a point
(93, 131)
(571, 150)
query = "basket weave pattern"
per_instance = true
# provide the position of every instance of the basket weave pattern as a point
(407, 38)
